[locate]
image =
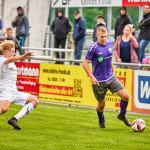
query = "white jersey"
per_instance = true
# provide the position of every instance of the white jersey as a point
(8, 75)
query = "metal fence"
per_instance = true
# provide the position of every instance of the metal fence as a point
(49, 38)
(51, 51)
(81, 61)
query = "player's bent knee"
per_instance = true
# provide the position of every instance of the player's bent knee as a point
(35, 101)
(3, 110)
(32, 99)
(126, 97)
(101, 108)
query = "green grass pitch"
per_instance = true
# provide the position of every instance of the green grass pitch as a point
(57, 127)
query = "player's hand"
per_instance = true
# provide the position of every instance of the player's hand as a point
(14, 20)
(28, 55)
(93, 80)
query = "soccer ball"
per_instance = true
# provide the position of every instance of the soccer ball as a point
(138, 125)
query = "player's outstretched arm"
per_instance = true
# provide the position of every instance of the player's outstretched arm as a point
(14, 59)
(88, 71)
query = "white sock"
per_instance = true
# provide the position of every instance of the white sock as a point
(24, 111)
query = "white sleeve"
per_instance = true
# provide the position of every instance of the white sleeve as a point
(2, 60)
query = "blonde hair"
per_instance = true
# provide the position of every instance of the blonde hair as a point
(129, 26)
(7, 45)
(9, 28)
(101, 29)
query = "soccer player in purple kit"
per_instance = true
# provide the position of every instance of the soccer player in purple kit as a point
(103, 78)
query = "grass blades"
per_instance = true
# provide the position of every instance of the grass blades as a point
(56, 127)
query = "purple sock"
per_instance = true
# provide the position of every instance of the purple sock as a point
(100, 117)
(123, 106)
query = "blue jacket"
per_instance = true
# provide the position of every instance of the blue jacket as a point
(79, 29)
(0, 24)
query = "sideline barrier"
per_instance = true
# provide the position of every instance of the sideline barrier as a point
(67, 84)
(70, 84)
(28, 77)
(141, 97)
(51, 51)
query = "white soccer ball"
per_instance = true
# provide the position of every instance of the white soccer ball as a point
(138, 125)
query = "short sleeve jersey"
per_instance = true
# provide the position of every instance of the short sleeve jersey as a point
(101, 58)
(8, 75)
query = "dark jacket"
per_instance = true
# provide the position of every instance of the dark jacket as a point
(17, 44)
(137, 50)
(79, 29)
(95, 30)
(120, 24)
(61, 27)
(144, 27)
(21, 24)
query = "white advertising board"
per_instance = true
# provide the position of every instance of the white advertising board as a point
(142, 89)
(86, 3)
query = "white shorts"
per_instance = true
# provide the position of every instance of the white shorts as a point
(14, 97)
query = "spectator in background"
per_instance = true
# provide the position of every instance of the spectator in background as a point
(60, 28)
(22, 26)
(134, 32)
(9, 36)
(78, 35)
(144, 35)
(121, 22)
(1, 24)
(100, 22)
(137, 50)
(124, 48)
(146, 61)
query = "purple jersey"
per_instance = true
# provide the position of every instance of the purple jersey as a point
(101, 57)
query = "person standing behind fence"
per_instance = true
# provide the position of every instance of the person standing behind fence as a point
(135, 34)
(100, 22)
(60, 28)
(144, 35)
(121, 22)
(22, 26)
(9, 36)
(1, 24)
(124, 48)
(78, 35)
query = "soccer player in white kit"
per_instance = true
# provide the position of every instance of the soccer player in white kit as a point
(8, 89)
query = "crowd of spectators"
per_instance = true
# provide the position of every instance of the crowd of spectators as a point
(129, 45)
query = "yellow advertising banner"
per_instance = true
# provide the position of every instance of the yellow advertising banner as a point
(70, 84)
(61, 83)
(112, 100)
(125, 76)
